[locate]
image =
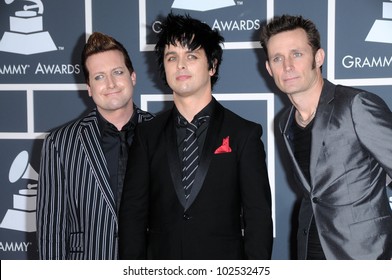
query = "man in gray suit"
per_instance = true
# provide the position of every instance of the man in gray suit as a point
(339, 140)
(83, 163)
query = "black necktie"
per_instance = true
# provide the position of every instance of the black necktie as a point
(122, 163)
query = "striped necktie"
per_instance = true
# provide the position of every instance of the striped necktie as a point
(190, 159)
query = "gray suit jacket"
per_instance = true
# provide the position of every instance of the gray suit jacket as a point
(351, 152)
(76, 210)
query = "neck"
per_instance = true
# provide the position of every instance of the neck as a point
(191, 105)
(306, 102)
(118, 117)
(304, 121)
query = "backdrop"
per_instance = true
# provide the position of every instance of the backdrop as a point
(42, 88)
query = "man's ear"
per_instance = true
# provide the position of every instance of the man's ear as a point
(268, 67)
(89, 90)
(133, 78)
(319, 57)
(213, 69)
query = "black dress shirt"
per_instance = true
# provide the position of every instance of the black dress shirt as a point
(115, 145)
(302, 143)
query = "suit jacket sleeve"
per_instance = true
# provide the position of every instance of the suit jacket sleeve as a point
(133, 216)
(256, 197)
(51, 205)
(373, 124)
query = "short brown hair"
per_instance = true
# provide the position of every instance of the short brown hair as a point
(98, 43)
(287, 23)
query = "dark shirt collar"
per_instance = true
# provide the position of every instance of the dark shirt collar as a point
(206, 111)
(105, 126)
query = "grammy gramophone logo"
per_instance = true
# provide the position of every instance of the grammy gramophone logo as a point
(381, 31)
(22, 216)
(26, 34)
(202, 5)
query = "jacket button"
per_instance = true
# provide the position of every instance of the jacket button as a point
(315, 200)
(187, 217)
(305, 231)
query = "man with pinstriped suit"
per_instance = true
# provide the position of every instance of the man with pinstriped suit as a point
(83, 163)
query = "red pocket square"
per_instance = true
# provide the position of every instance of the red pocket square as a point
(224, 148)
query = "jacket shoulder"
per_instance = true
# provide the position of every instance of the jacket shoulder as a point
(232, 117)
(74, 126)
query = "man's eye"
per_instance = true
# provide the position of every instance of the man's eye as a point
(118, 72)
(297, 54)
(192, 57)
(98, 77)
(277, 59)
(171, 58)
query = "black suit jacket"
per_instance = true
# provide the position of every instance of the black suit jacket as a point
(231, 190)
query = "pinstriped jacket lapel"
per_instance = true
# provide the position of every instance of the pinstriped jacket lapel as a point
(90, 139)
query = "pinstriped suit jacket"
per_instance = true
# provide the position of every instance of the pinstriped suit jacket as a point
(76, 210)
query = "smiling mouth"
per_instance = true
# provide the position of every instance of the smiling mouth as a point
(111, 93)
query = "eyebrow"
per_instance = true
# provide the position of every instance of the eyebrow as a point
(170, 53)
(112, 69)
(291, 51)
(188, 51)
